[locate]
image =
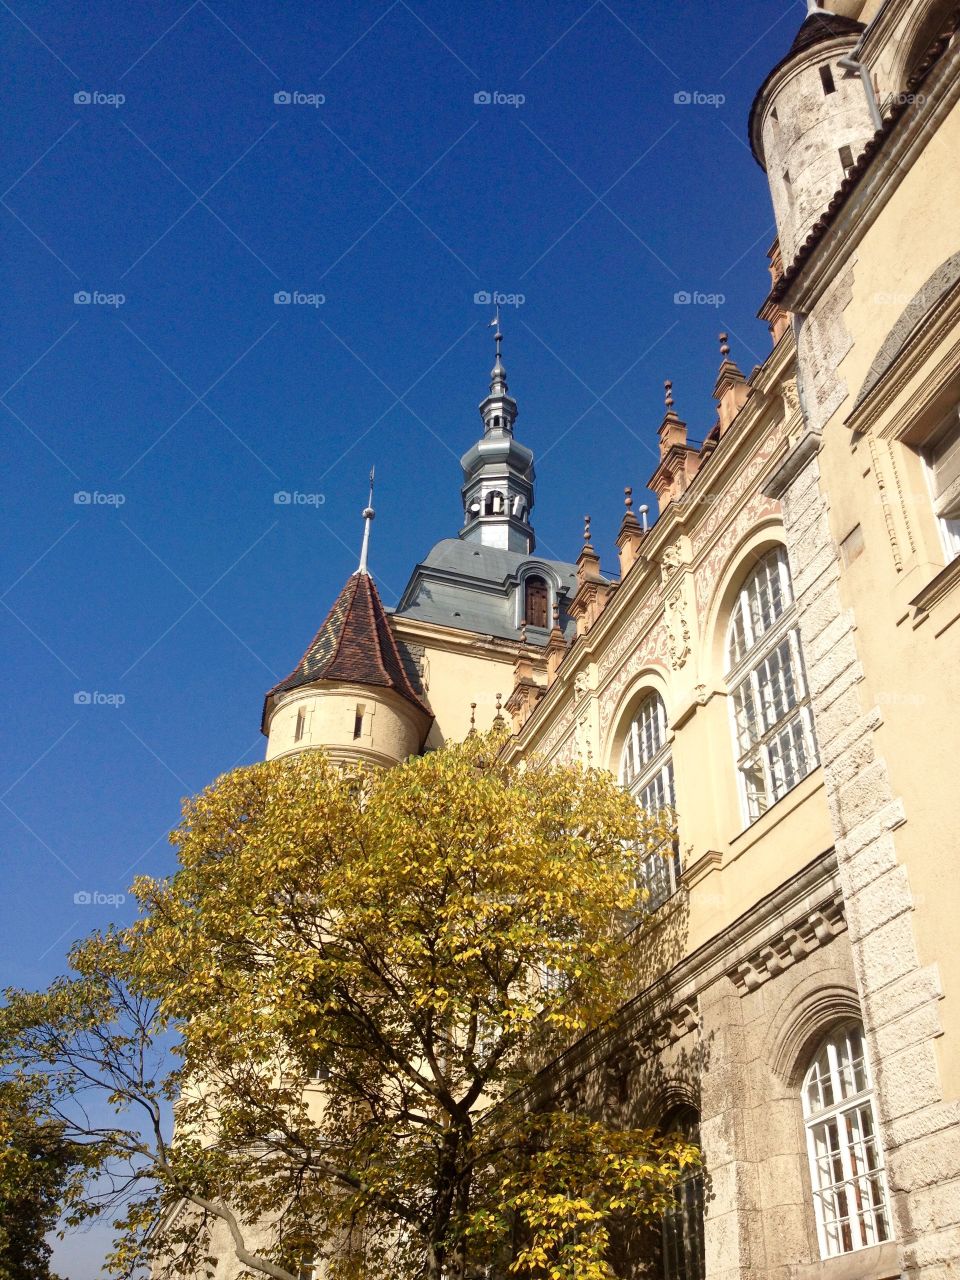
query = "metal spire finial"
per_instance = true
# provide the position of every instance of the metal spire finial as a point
(498, 373)
(368, 514)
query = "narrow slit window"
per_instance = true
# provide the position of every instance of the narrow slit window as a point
(358, 721)
(826, 79)
(301, 724)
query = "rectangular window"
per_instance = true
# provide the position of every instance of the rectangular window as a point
(301, 724)
(774, 727)
(826, 79)
(846, 159)
(942, 457)
(358, 721)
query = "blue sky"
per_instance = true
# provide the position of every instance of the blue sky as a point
(182, 397)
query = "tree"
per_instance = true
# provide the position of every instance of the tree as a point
(36, 1166)
(366, 973)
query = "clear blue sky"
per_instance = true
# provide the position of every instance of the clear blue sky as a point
(196, 399)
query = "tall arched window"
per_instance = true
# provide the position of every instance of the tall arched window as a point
(846, 1161)
(773, 724)
(646, 770)
(682, 1255)
(536, 599)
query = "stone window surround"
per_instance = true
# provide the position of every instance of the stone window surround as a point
(903, 408)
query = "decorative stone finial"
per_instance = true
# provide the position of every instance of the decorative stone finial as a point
(628, 498)
(523, 631)
(724, 346)
(473, 720)
(668, 394)
(586, 530)
(499, 719)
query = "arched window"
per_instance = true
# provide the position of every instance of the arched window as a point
(846, 1161)
(536, 602)
(773, 726)
(682, 1256)
(646, 770)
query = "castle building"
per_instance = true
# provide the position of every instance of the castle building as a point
(777, 657)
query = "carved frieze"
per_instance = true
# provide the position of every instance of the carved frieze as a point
(653, 650)
(806, 935)
(758, 508)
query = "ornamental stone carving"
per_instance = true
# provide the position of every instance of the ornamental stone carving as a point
(815, 930)
(678, 628)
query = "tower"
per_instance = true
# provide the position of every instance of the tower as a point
(350, 694)
(809, 122)
(498, 472)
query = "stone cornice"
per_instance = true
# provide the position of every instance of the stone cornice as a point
(440, 637)
(807, 934)
(879, 411)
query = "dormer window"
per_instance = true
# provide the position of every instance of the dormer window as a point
(536, 602)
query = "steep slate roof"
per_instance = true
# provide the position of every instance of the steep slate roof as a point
(469, 586)
(355, 645)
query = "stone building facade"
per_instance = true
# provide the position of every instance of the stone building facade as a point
(777, 658)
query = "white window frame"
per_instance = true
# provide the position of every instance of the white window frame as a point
(777, 747)
(842, 1062)
(948, 526)
(646, 762)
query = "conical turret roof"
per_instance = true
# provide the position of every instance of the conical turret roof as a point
(355, 645)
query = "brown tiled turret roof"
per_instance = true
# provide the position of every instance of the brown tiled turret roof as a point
(355, 645)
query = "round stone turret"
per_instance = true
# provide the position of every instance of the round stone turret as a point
(809, 122)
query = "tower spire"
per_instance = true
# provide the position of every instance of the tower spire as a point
(498, 472)
(368, 514)
(498, 374)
